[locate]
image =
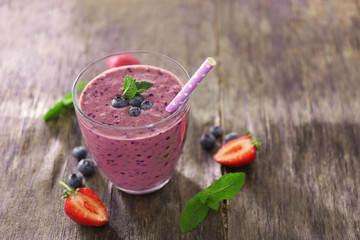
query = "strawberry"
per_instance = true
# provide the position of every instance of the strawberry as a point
(121, 60)
(238, 152)
(84, 206)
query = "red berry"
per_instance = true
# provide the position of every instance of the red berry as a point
(122, 60)
(85, 207)
(238, 152)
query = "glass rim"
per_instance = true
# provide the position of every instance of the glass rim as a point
(172, 115)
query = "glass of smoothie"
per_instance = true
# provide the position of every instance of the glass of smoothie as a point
(137, 154)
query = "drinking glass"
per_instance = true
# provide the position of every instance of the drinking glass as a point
(137, 160)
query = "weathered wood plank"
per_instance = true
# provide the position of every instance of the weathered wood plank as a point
(47, 44)
(295, 65)
(288, 71)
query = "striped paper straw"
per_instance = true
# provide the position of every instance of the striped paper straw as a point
(191, 84)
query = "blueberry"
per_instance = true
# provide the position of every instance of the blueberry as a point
(75, 180)
(216, 131)
(146, 104)
(134, 111)
(86, 167)
(79, 152)
(136, 101)
(231, 136)
(119, 102)
(207, 141)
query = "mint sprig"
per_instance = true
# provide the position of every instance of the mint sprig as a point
(55, 111)
(66, 102)
(131, 87)
(193, 214)
(142, 86)
(196, 208)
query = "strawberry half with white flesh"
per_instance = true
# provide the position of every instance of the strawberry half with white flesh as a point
(238, 152)
(84, 206)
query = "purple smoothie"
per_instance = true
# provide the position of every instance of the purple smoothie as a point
(134, 155)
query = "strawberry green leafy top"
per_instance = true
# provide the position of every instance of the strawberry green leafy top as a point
(131, 87)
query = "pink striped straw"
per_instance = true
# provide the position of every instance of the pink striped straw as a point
(191, 84)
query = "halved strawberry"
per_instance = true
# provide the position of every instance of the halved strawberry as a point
(84, 206)
(238, 152)
(122, 60)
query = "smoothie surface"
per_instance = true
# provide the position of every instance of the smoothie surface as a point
(95, 100)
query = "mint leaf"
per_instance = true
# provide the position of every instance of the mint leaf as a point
(203, 197)
(80, 86)
(143, 86)
(129, 87)
(64, 103)
(55, 111)
(226, 186)
(197, 207)
(67, 100)
(193, 214)
(213, 204)
(59, 107)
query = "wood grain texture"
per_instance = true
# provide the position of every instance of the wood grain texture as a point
(47, 45)
(287, 70)
(299, 92)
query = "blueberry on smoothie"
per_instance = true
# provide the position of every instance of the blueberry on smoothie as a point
(136, 101)
(146, 104)
(207, 141)
(86, 167)
(216, 131)
(134, 111)
(75, 180)
(119, 102)
(231, 136)
(79, 152)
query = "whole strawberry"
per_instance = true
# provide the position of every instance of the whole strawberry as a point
(121, 60)
(84, 206)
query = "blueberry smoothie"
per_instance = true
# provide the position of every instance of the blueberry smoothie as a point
(136, 153)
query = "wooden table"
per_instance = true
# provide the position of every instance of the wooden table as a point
(288, 71)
